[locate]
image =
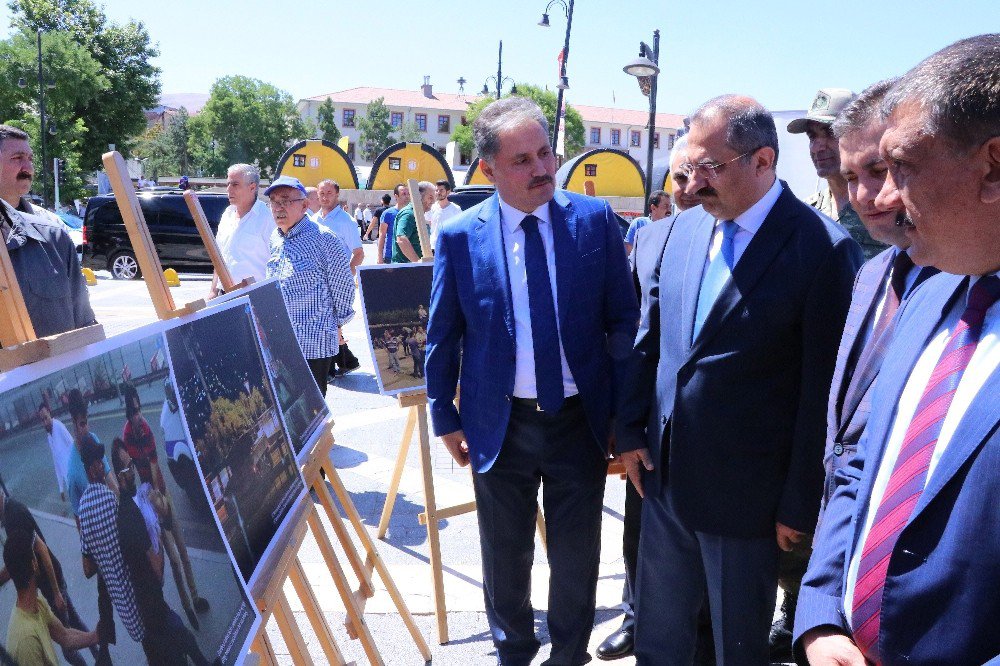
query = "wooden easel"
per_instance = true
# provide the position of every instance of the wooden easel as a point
(208, 238)
(283, 563)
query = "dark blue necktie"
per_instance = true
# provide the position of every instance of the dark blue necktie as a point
(544, 332)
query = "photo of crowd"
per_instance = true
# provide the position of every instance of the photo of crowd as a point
(109, 546)
(243, 451)
(394, 299)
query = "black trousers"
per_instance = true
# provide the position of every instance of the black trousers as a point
(559, 453)
(320, 368)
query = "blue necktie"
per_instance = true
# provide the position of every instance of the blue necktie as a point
(716, 275)
(544, 333)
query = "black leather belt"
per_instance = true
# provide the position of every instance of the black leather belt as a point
(532, 403)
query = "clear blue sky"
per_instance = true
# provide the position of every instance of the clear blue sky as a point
(780, 51)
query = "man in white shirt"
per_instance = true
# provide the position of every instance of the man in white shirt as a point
(442, 209)
(332, 216)
(60, 444)
(244, 234)
(312, 201)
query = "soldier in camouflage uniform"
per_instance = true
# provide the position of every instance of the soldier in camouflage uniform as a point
(831, 200)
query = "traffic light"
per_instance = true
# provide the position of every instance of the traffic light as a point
(62, 170)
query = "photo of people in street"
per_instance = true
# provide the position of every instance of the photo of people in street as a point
(243, 451)
(110, 551)
(302, 406)
(394, 299)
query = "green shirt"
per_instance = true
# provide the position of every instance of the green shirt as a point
(28, 640)
(406, 225)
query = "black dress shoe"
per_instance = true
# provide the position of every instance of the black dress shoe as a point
(617, 645)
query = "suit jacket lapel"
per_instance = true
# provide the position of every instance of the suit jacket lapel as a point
(765, 245)
(564, 242)
(697, 255)
(490, 234)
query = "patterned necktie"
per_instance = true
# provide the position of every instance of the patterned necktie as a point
(544, 332)
(716, 275)
(901, 267)
(909, 474)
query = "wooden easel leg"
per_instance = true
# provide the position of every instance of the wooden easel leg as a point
(359, 567)
(397, 473)
(374, 560)
(290, 632)
(263, 649)
(433, 538)
(315, 614)
(344, 588)
(540, 522)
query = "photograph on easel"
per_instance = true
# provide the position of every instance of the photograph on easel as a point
(105, 524)
(395, 300)
(302, 405)
(244, 454)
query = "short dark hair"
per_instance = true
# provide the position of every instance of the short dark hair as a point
(396, 189)
(656, 197)
(749, 126)
(43, 405)
(90, 450)
(386, 199)
(335, 184)
(133, 404)
(959, 89)
(18, 556)
(76, 404)
(117, 446)
(10, 132)
(443, 183)
(865, 108)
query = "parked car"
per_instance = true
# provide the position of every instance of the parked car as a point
(106, 244)
(74, 227)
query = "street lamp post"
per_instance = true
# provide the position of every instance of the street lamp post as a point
(563, 79)
(646, 69)
(42, 125)
(499, 79)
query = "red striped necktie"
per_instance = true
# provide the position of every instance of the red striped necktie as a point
(909, 475)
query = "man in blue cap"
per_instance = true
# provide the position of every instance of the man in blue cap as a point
(313, 268)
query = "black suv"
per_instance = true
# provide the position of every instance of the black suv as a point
(106, 243)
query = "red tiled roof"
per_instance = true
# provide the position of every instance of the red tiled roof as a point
(393, 97)
(604, 114)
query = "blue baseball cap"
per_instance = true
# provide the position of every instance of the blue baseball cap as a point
(285, 181)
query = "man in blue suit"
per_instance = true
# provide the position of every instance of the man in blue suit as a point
(727, 390)
(532, 299)
(904, 568)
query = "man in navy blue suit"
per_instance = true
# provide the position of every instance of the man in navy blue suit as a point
(904, 568)
(724, 407)
(533, 300)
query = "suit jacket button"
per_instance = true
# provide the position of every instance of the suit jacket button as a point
(508, 398)
(838, 449)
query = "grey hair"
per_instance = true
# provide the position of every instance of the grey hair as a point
(249, 171)
(500, 116)
(959, 90)
(425, 185)
(749, 125)
(679, 146)
(864, 109)
(10, 132)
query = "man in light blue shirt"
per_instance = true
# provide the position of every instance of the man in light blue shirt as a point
(659, 208)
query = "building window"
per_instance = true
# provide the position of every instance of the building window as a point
(670, 142)
(656, 141)
(298, 160)
(465, 159)
(616, 137)
(444, 124)
(350, 151)
(635, 139)
(348, 118)
(396, 119)
(464, 120)
(590, 170)
(595, 135)
(421, 119)
(395, 163)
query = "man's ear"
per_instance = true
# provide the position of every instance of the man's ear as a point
(990, 155)
(487, 170)
(764, 159)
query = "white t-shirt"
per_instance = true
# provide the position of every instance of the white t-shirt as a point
(170, 422)
(60, 444)
(342, 224)
(245, 243)
(437, 215)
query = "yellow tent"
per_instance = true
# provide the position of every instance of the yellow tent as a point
(314, 160)
(402, 161)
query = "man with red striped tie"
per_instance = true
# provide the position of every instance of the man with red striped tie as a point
(906, 567)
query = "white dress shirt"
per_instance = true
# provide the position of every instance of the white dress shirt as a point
(245, 242)
(911, 278)
(60, 444)
(513, 241)
(438, 215)
(747, 224)
(982, 365)
(342, 224)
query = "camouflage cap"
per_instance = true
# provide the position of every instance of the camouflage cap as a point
(827, 103)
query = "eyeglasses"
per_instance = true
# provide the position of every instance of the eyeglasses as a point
(710, 170)
(283, 203)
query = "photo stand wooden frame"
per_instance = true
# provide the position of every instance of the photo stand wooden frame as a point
(283, 563)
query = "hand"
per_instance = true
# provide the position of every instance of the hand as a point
(787, 537)
(632, 460)
(827, 646)
(457, 447)
(60, 604)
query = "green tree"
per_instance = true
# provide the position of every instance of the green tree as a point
(375, 129)
(249, 121)
(178, 135)
(546, 100)
(124, 53)
(410, 133)
(326, 123)
(154, 150)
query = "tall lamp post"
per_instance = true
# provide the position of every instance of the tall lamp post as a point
(563, 79)
(499, 79)
(646, 68)
(42, 125)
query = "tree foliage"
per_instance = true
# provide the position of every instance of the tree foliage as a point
(546, 100)
(124, 53)
(166, 152)
(249, 121)
(410, 133)
(326, 123)
(375, 129)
